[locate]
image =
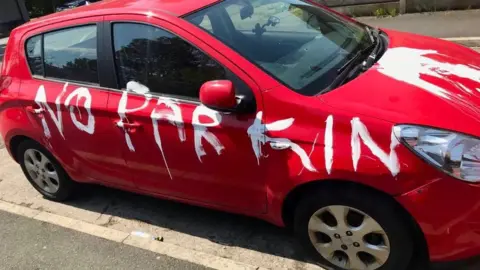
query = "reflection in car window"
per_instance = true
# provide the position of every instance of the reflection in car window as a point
(161, 61)
(299, 43)
(71, 54)
(34, 55)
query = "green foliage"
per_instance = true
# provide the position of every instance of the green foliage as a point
(38, 8)
(393, 12)
(382, 12)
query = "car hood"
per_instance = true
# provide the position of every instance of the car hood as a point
(418, 80)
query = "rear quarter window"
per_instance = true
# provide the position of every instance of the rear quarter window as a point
(34, 55)
(67, 54)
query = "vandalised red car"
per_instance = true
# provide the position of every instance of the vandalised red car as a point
(364, 141)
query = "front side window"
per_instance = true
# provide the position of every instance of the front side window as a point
(300, 44)
(162, 61)
(71, 54)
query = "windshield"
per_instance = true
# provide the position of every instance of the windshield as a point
(300, 44)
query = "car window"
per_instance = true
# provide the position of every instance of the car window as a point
(34, 55)
(71, 54)
(300, 44)
(163, 62)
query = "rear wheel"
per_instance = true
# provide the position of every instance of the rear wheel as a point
(44, 172)
(354, 229)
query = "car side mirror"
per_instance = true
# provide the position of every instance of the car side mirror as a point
(246, 11)
(218, 95)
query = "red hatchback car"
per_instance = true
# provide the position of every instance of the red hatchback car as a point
(365, 141)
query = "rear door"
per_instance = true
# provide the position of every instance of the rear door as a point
(66, 103)
(174, 145)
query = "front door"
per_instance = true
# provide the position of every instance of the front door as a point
(64, 101)
(174, 145)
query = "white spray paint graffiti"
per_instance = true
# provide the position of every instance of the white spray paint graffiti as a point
(328, 141)
(311, 152)
(257, 131)
(82, 92)
(257, 135)
(360, 131)
(122, 108)
(200, 130)
(407, 65)
(174, 117)
(41, 100)
(413, 66)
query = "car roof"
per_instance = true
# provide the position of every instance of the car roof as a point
(175, 8)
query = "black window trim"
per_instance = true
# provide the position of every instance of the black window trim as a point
(109, 37)
(105, 61)
(42, 35)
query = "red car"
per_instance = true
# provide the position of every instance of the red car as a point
(364, 141)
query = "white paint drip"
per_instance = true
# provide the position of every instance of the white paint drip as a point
(41, 100)
(407, 65)
(360, 131)
(141, 234)
(136, 87)
(79, 93)
(311, 152)
(174, 117)
(122, 108)
(200, 130)
(328, 141)
(257, 135)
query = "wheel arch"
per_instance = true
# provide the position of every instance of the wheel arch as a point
(295, 195)
(15, 141)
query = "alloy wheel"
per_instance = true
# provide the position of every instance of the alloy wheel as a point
(41, 170)
(348, 238)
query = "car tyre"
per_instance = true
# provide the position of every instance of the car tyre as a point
(390, 231)
(44, 172)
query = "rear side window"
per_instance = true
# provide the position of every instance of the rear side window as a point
(69, 54)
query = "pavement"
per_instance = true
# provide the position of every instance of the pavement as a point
(445, 24)
(456, 26)
(32, 244)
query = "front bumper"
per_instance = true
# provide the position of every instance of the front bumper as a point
(448, 212)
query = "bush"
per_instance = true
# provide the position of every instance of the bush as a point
(38, 8)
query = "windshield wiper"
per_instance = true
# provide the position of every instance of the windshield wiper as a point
(356, 57)
(374, 48)
(378, 46)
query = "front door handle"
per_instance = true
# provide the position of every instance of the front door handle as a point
(33, 110)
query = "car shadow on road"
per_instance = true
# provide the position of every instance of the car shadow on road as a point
(219, 227)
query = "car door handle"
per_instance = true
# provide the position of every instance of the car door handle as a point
(131, 127)
(33, 110)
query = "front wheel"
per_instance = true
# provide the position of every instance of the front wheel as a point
(354, 229)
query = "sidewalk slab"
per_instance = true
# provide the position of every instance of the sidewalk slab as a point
(446, 24)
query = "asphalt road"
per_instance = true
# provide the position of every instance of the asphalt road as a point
(30, 244)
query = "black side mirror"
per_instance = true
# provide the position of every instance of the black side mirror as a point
(246, 12)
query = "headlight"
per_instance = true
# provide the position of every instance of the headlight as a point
(454, 153)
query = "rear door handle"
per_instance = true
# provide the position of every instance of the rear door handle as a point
(33, 110)
(130, 127)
